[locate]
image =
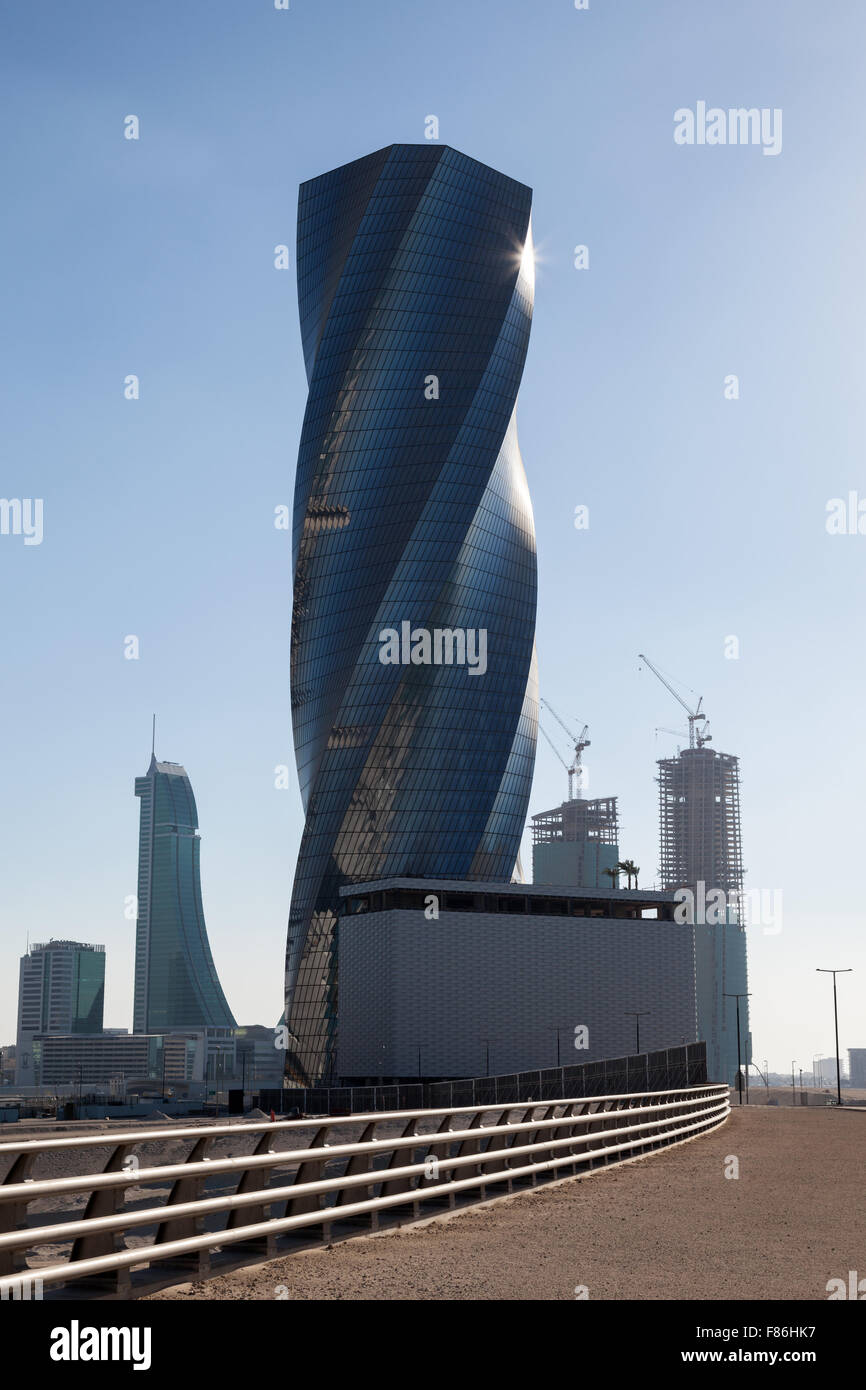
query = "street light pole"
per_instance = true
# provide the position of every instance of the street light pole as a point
(557, 1031)
(834, 973)
(764, 1077)
(637, 1015)
(738, 997)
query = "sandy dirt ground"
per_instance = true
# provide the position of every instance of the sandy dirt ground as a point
(671, 1226)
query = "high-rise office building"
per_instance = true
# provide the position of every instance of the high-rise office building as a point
(412, 663)
(176, 983)
(61, 990)
(701, 849)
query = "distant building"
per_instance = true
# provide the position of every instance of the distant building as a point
(120, 1058)
(701, 849)
(61, 990)
(824, 1070)
(176, 983)
(857, 1067)
(259, 1061)
(111, 1058)
(506, 977)
(574, 844)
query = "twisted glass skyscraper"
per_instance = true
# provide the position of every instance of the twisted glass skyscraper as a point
(176, 984)
(413, 546)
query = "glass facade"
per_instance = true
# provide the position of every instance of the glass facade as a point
(61, 991)
(176, 984)
(89, 991)
(411, 516)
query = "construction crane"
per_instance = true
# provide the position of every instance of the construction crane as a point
(542, 730)
(580, 742)
(696, 736)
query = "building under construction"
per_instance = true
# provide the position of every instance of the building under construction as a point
(700, 849)
(699, 821)
(576, 842)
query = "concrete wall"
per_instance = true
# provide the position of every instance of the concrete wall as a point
(574, 863)
(449, 984)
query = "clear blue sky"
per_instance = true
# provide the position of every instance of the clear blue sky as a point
(707, 516)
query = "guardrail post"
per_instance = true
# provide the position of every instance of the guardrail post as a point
(437, 1151)
(358, 1163)
(559, 1132)
(577, 1109)
(398, 1160)
(255, 1180)
(531, 1136)
(502, 1137)
(310, 1170)
(471, 1146)
(102, 1202)
(596, 1126)
(186, 1190)
(13, 1215)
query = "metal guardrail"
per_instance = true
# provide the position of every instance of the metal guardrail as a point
(438, 1156)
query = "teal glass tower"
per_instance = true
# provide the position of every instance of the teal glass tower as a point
(176, 983)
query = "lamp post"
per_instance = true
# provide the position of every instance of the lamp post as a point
(558, 1030)
(637, 1015)
(738, 997)
(764, 1077)
(834, 973)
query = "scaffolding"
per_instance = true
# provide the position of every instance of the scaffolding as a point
(596, 820)
(699, 821)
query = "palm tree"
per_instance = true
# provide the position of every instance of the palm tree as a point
(613, 875)
(631, 869)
